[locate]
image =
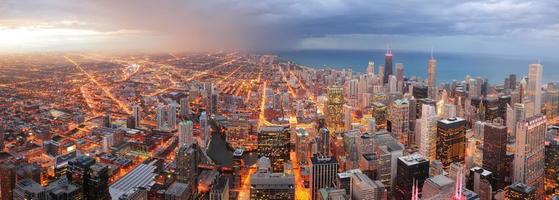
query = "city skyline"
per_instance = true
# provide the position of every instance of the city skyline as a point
(254, 100)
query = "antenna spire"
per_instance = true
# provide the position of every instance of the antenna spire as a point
(432, 57)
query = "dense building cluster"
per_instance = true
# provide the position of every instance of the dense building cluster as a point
(245, 126)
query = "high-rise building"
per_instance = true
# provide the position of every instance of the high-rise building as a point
(381, 74)
(186, 136)
(552, 165)
(178, 191)
(59, 189)
(512, 81)
(334, 109)
(412, 170)
(107, 121)
(451, 141)
(520, 191)
(371, 68)
(172, 116)
(323, 138)
(7, 180)
(495, 153)
(363, 188)
(214, 100)
(323, 174)
(160, 115)
(348, 117)
(387, 65)
(29, 189)
(529, 162)
(399, 122)
(204, 129)
(264, 184)
(431, 77)
(534, 90)
(392, 84)
(91, 176)
(301, 145)
(273, 142)
(399, 77)
(136, 115)
(426, 128)
(185, 107)
(187, 159)
(353, 89)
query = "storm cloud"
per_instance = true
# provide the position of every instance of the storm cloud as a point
(496, 26)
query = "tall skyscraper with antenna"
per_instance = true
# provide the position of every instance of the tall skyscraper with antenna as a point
(387, 65)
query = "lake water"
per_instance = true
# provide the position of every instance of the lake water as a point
(450, 66)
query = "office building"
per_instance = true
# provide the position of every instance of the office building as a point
(265, 184)
(412, 170)
(520, 191)
(178, 191)
(426, 132)
(184, 107)
(399, 122)
(205, 132)
(495, 153)
(363, 188)
(323, 174)
(431, 77)
(7, 180)
(273, 142)
(187, 159)
(534, 87)
(451, 141)
(186, 135)
(387, 66)
(529, 158)
(334, 114)
(92, 177)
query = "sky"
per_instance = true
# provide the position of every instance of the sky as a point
(518, 27)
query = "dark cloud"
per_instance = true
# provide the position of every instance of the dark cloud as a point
(284, 24)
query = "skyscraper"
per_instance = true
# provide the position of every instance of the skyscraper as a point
(387, 65)
(371, 68)
(399, 76)
(204, 128)
(426, 128)
(399, 121)
(431, 77)
(411, 170)
(529, 157)
(534, 90)
(136, 115)
(451, 141)
(495, 152)
(334, 109)
(185, 133)
(273, 142)
(323, 173)
(187, 159)
(91, 176)
(363, 188)
(172, 116)
(160, 115)
(7, 180)
(185, 107)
